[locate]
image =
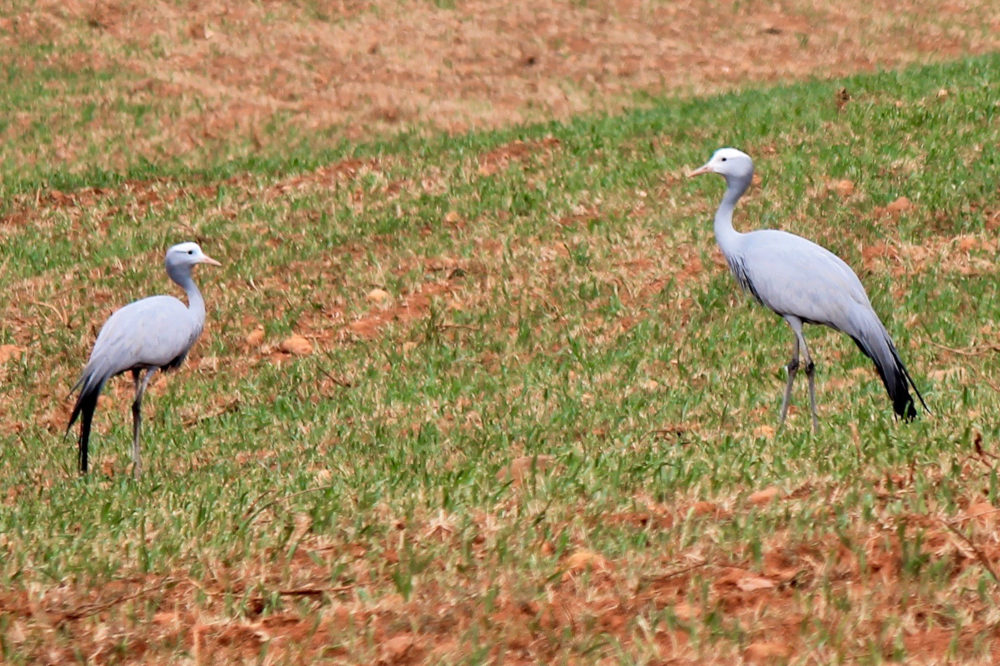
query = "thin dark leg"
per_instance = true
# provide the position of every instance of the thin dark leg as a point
(140, 388)
(792, 367)
(810, 373)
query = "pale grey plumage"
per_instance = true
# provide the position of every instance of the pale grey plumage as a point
(151, 334)
(804, 283)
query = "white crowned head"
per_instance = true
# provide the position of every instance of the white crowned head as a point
(187, 255)
(734, 165)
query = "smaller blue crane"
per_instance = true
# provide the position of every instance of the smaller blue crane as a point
(150, 334)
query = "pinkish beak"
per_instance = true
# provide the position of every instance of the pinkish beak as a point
(700, 170)
(208, 260)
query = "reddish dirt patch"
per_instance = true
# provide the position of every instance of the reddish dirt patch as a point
(409, 307)
(500, 158)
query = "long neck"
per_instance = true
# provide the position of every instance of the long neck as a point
(725, 235)
(196, 304)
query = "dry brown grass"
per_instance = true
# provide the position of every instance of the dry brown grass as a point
(863, 567)
(229, 69)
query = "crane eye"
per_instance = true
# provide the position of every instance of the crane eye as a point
(190, 251)
(724, 159)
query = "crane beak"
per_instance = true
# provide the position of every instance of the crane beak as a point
(208, 260)
(700, 170)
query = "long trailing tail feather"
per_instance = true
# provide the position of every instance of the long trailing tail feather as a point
(84, 408)
(894, 375)
(906, 373)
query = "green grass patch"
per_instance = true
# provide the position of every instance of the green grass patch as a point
(549, 291)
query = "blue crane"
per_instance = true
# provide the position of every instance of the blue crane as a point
(147, 335)
(805, 284)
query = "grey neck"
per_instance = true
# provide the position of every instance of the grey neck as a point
(182, 276)
(735, 188)
(725, 235)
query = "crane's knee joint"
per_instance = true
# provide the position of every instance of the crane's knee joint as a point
(793, 365)
(810, 367)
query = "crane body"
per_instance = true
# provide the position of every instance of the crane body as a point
(804, 283)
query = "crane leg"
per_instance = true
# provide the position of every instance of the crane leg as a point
(140, 388)
(810, 373)
(800, 339)
(792, 367)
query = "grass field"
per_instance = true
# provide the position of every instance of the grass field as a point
(494, 396)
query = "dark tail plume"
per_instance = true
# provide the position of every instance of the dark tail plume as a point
(84, 408)
(892, 372)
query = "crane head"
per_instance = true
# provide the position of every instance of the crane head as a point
(188, 254)
(729, 163)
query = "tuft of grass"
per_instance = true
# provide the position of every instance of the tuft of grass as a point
(537, 420)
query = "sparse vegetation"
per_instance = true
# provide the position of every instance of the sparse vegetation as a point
(492, 395)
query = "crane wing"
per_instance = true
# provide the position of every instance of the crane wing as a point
(792, 275)
(154, 331)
